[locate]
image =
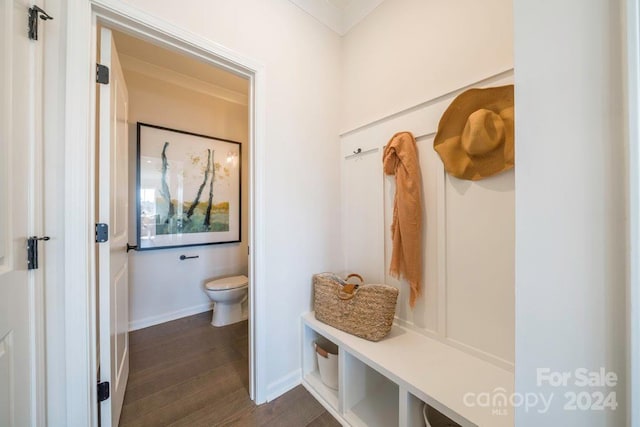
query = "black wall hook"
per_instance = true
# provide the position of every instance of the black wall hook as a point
(183, 257)
(34, 12)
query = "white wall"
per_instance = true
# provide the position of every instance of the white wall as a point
(399, 57)
(570, 200)
(161, 287)
(301, 180)
(409, 51)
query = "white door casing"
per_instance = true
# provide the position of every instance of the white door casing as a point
(20, 192)
(112, 173)
(79, 111)
(633, 205)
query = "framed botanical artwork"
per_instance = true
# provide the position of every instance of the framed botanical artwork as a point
(188, 189)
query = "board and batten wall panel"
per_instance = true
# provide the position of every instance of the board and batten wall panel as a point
(361, 203)
(161, 287)
(467, 297)
(480, 263)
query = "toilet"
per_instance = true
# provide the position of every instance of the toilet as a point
(229, 296)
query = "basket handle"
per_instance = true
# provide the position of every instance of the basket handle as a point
(322, 352)
(347, 291)
(357, 276)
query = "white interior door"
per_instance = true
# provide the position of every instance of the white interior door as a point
(19, 144)
(113, 198)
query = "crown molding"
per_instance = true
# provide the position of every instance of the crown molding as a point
(129, 63)
(341, 20)
(356, 11)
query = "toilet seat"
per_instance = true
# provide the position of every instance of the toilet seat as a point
(227, 283)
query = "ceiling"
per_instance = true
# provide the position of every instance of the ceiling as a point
(341, 4)
(339, 15)
(141, 56)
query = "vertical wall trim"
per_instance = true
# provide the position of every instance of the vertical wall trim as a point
(78, 195)
(633, 137)
(257, 265)
(442, 251)
(53, 309)
(382, 231)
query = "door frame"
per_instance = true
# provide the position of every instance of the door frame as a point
(80, 147)
(632, 54)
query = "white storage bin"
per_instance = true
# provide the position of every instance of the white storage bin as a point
(327, 354)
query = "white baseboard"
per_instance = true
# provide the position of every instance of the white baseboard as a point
(167, 317)
(283, 385)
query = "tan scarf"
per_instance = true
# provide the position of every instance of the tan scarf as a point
(400, 158)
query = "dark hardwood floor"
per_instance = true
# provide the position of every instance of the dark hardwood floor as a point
(188, 373)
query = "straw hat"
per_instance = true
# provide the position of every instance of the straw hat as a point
(475, 134)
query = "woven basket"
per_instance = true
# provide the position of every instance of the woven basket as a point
(363, 310)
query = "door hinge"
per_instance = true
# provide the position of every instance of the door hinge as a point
(103, 391)
(32, 251)
(102, 232)
(34, 13)
(102, 74)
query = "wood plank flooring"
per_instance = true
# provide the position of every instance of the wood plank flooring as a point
(188, 373)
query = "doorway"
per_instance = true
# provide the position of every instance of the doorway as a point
(159, 113)
(209, 53)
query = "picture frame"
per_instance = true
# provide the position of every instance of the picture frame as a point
(188, 189)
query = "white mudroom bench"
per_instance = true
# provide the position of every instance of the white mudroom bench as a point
(386, 383)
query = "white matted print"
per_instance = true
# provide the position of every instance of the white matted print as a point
(188, 189)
